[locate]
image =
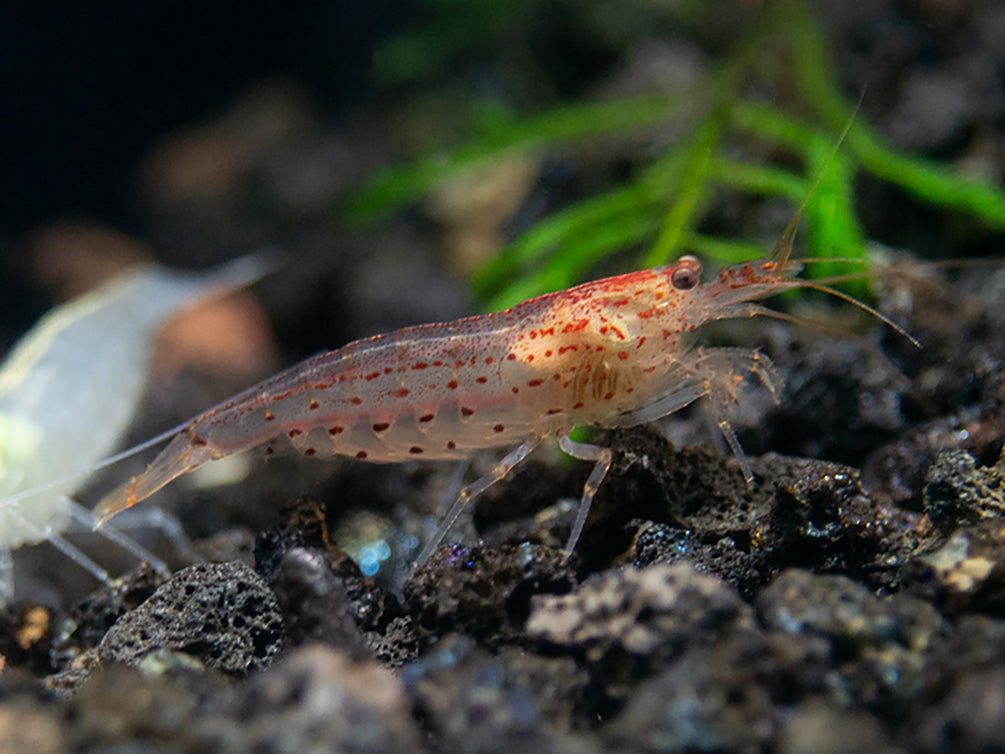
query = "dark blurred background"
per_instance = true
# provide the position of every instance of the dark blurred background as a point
(87, 87)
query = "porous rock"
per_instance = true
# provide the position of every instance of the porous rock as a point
(473, 700)
(221, 613)
(627, 624)
(957, 492)
(879, 644)
(483, 590)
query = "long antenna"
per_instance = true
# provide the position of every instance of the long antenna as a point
(783, 247)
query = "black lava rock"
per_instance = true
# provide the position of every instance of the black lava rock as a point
(223, 614)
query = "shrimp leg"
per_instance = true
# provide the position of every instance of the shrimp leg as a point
(6, 576)
(475, 489)
(85, 519)
(585, 452)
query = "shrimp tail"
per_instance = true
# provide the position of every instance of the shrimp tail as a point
(183, 454)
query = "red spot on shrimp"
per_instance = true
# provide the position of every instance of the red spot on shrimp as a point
(465, 411)
(427, 417)
(269, 416)
(623, 355)
(489, 361)
(533, 334)
(579, 324)
(578, 405)
(459, 363)
(641, 341)
(515, 390)
(388, 370)
(646, 314)
(314, 405)
(294, 432)
(608, 396)
(553, 411)
(451, 444)
(498, 428)
(336, 430)
(419, 365)
(620, 302)
(401, 392)
(548, 352)
(546, 331)
(198, 441)
(415, 449)
(534, 383)
(361, 455)
(380, 426)
(530, 358)
(372, 376)
(437, 363)
(309, 452)
(563, 349)
(510, 357)
(452, 384)
(356, 401)
(482, 380)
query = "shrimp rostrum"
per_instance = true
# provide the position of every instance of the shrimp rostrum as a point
(610, 353)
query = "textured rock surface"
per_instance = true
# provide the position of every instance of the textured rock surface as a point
(223, 614)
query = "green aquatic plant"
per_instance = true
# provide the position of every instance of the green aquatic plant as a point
(659, 209)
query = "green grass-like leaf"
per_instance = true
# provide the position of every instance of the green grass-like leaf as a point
(659, 210)
(498, 138)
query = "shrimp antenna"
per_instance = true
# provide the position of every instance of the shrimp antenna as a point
(823, 286)
(110, 461)
(783, 247)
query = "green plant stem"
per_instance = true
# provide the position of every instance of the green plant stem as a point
(927, 180)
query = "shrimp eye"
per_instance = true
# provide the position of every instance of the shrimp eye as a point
(687, 274)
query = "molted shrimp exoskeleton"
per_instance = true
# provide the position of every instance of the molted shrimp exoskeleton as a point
(610, 353)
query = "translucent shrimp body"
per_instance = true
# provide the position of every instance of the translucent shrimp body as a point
(609, 353)
(70, 386)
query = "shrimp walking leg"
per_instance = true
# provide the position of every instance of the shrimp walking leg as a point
(79, 515)
(475, 489)
(159, 520)
(585, 452)
(6, 576)
(722, 371)
(76, 555)
(85, 519)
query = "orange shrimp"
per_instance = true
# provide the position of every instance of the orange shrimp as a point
(609, 353)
